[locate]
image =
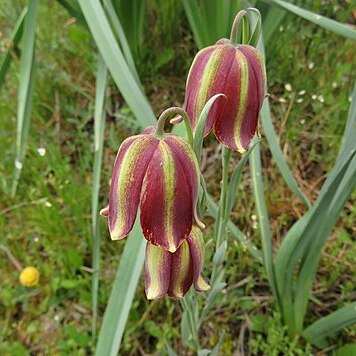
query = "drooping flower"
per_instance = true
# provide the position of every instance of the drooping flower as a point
(29, 276)
(173, 274)
(161, 174)
(238, 72)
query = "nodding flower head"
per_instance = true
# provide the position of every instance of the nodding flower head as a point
(29, 276)
(173, 274)
(238, 72)
(159, 173)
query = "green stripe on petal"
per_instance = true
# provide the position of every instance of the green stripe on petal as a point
(129, 170)
(242, 102)
(208, 77)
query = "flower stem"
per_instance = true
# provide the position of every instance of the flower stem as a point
(220, 230)
(169, 113)
(236, 25)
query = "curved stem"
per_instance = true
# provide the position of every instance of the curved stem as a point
(235, 25)
(170, 112)
(11, 257)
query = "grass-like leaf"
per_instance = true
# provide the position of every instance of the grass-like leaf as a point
(99, 128)
(132, 260)
(322, 21)
(317, 232)
(116, 25)
(256, 174)
(330, 324)
(199, 132)
(236, 178)
(278, 155)
(15, 39)
(25, 92)
(123, 290)
(115, 62)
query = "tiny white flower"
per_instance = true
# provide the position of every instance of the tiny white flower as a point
(288, 87)
(302, 121)
(281, 28)
(321, 98)
(56, 318)
(18, 164)
(299, 100)
(253, 217)
(48, 204)
(302, 92)
(41, 151)
(36, 239)
(334, 85)
(314, 97)
(282, 100)
(311, 65)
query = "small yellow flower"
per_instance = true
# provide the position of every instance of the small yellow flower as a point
(29, 276)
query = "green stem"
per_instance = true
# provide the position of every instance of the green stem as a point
(236, 25)
(169, 113)
(220, 231)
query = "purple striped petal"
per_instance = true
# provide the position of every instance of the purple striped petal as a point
(184, 153)
(181, 272)
(166, 203)
(197, 252)
(129, 170)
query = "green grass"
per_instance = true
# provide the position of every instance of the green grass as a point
(48, 223)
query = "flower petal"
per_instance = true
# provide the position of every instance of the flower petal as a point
(129, 170)
(148, 130)
(193, 84)
(105, 211)
(181, 272)
(213, 80)
(185, 154)
(256, 93)
(158, 271)
(197, 252)
(245, 91)
(166, 204)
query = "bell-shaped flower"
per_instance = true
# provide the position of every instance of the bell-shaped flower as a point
(161, 174)
(238, 72)
(173, 274)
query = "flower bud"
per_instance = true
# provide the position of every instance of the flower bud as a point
(238, 72)
(29, 276)
(173, 274)
(161, 173)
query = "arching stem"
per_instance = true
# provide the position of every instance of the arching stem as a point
(173, 112)
(236, 25)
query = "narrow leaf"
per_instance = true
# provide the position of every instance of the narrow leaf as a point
(25, 92)
(99, 128)
(199, 132)
(256, 174)
(331, 324)
(236, 178)
(14, 41)
(115, 62)
(322, 21)
(123, 290)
